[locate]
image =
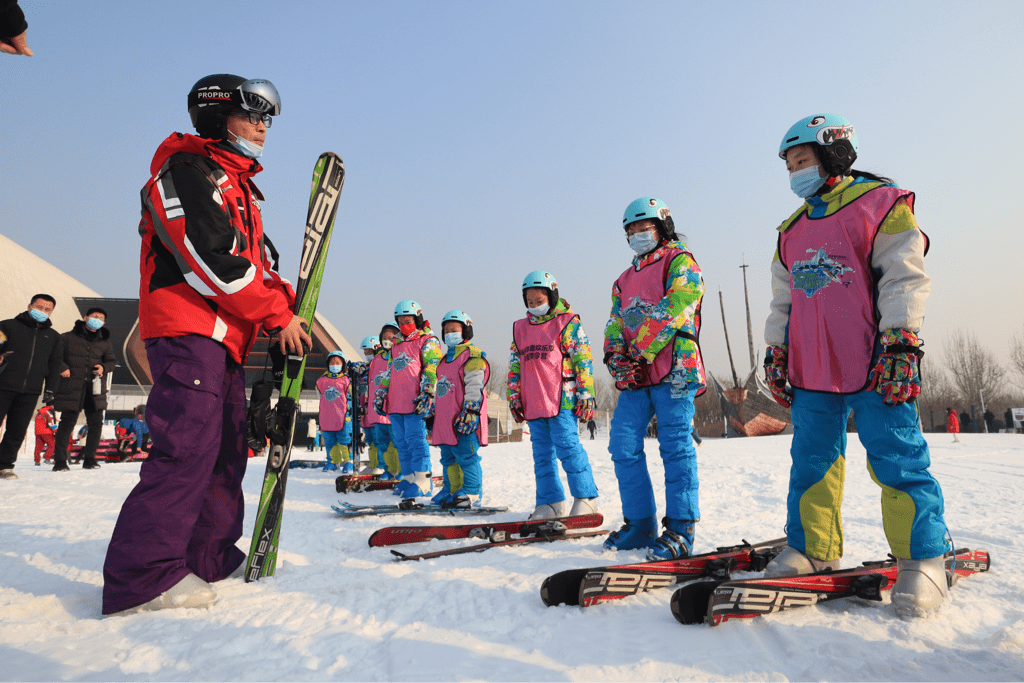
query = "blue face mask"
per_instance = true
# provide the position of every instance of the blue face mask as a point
(336, 369)
(249, 149)
(540, 310)
(94, 323)
(805, 182)
(38, 315)
(643, 242)
(453, 339)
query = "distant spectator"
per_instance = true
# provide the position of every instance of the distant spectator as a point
(592, 426)
(990, 419)
(29, 355)
(965, 421)
(13, 29)
(952, 424)
(1008, 419)
(87, 353)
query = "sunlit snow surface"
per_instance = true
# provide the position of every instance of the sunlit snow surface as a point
(340, 610)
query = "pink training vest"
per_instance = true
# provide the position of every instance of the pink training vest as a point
(374, 376)
(832, 322)
(406, 366)
(643, 290)
(540, 364)
(451, 392)
(333, 402)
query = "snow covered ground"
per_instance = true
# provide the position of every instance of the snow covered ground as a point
(340, 610)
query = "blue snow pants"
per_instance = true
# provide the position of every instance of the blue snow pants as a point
(626, 444)
(898, 460)
(466, 455)
(409, 432)
(558, 437)
(383, 440)
(342, 438)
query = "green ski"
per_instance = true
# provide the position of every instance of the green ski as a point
(328, 178)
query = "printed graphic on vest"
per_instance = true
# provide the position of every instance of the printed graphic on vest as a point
(536, 352)
(638, 311)
(818, 272)
(444, 385)
(332, 393)
(401, 361)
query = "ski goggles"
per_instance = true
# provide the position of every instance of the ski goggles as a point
(260, 96)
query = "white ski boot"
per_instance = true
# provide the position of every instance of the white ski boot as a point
(191, 592)
(792, 562)
(549, 511)
(583, 506)
(922, 587)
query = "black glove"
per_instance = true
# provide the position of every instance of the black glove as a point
(276, 364)
(259, 414)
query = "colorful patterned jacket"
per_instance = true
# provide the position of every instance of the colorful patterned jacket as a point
(577, 362)
(677, 312)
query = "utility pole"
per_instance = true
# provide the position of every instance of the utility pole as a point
(750, 329)
(721, 302)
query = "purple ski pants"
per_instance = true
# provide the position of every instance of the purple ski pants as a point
(185, 514)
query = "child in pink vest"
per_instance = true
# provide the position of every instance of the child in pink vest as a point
(651, 349)
(335, 423)
(460, 411)
(849, 288)
(406, 396)
(551, 385)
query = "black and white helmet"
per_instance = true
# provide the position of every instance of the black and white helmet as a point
(212, 97)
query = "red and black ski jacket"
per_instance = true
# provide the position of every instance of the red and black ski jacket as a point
(207, 268)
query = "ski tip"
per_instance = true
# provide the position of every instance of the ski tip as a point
(562, 588)
(690, 603)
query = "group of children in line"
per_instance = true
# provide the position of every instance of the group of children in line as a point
(848, 296)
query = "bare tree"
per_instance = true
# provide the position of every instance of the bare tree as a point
(605, 394)
(498, 381)
(937, 394)
(1017, 356)
(972, 367)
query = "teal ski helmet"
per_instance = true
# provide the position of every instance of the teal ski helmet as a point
(835, 137)
(654, 209)
(410, 307)
(544, 280)
(370, 344)
(340, 355)
(461, 317)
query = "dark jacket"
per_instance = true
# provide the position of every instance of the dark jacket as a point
(12, 19)
(82, 349)
(35, 355)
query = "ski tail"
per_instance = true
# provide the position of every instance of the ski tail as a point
(328, 179)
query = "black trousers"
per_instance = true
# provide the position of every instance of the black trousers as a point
(68, 419)
(18, 408)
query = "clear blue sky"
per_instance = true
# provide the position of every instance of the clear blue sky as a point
(484, 140)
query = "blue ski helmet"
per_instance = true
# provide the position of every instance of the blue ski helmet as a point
(394, 326)
(654, 209)
(370, 344)
(544, 280)
(835, 136)
(459, 317)
(410, 307)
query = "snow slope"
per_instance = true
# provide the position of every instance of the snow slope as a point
(340, 610)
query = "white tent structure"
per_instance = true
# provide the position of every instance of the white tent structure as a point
(23, 274)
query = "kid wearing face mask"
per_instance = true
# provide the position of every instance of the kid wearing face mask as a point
(387, 452)
(460, 418)
(651, 350)
(335, 421)
(406, 396)
(551, 385)
(848, 295)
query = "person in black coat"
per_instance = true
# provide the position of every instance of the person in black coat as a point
(29, 355)
(87, 353)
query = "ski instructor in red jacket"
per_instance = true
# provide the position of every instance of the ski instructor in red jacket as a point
(209, 281)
